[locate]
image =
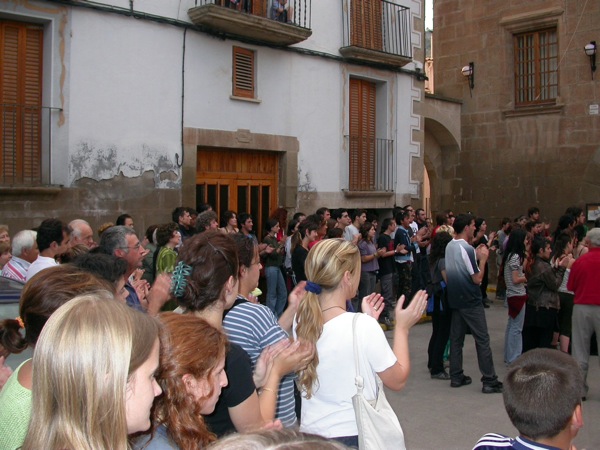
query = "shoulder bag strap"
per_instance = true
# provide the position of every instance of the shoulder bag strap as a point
(358, 380)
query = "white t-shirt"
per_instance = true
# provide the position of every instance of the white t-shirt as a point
(349, 232)
(329, 411)
(41, 263)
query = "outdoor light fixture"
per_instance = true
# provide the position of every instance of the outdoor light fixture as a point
(469, 73)
(590, 50)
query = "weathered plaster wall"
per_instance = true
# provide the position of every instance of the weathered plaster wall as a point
(125, 106)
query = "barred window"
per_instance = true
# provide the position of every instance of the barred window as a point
(536, 67)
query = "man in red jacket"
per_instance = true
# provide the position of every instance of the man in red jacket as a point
(585, 282)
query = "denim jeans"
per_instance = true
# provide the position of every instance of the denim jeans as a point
(276, 290)
(513, 338)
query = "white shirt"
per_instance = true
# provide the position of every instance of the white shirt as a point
(329, 411)
(349, 232)
(41, 263)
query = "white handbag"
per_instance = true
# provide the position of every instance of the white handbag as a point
(378, 425)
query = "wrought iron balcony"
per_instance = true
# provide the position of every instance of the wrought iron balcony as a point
(377, 31)
(21, 142)
(371, 165)
(269, 21)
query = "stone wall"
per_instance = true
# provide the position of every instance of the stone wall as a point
(513, 158)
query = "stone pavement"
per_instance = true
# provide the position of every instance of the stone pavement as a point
(435, 416)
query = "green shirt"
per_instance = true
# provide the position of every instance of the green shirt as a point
(15, 412)
(165, 260)
(275, 258)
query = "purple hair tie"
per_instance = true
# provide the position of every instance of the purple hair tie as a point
(313, 287)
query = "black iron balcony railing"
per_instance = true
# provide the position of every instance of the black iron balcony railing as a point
(21, 142)
(377, 25)
(371, 164)
(292, 12)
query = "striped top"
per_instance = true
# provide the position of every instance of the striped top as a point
(493, 441)
(16, 269)
(254, 327)
(513, 264)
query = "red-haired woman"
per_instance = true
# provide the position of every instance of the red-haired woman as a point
(191, 377)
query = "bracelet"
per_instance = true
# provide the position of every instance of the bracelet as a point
(266, 389)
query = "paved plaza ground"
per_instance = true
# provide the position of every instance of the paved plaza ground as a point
(435, 416)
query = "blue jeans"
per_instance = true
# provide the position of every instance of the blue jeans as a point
(513, 338)
(276, 290)
(348, 441)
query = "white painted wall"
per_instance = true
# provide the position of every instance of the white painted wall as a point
(123, 87)
(125, 106)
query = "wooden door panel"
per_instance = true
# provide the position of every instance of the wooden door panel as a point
(242, 181)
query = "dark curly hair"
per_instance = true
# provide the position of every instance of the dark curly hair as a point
(165, 232)
(213, 257)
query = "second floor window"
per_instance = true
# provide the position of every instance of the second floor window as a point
(21, 103)
(536, 67)
(243, 73)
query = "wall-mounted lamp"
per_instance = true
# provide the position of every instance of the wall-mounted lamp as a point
(590, 50)
(469, 73)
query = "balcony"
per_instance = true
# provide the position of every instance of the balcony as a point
(376, 31)
(21, 143)
(371, 165)
(258, 20)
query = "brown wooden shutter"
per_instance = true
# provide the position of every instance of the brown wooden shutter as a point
(21, 100)
(259, 8)
(365, 23)
(362, 135)
(243, 72)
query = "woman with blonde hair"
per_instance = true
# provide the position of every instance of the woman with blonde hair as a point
(41, 297)
(328, 383)
(191, 377)
(93, 382)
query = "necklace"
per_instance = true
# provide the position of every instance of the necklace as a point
(331, 307)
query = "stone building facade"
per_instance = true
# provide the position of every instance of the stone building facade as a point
(529, 127)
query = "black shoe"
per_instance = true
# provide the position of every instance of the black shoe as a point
(494, 388)
(443, 375)
(464, 381)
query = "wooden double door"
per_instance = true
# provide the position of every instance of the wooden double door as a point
(238, 180)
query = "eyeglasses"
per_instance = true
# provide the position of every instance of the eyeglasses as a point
(135, 247)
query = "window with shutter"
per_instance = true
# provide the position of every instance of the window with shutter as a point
(365, 22)
(362, 135)
(536, 67)
(21, 102)
(243, 73)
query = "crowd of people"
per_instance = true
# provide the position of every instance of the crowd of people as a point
(175, 321)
